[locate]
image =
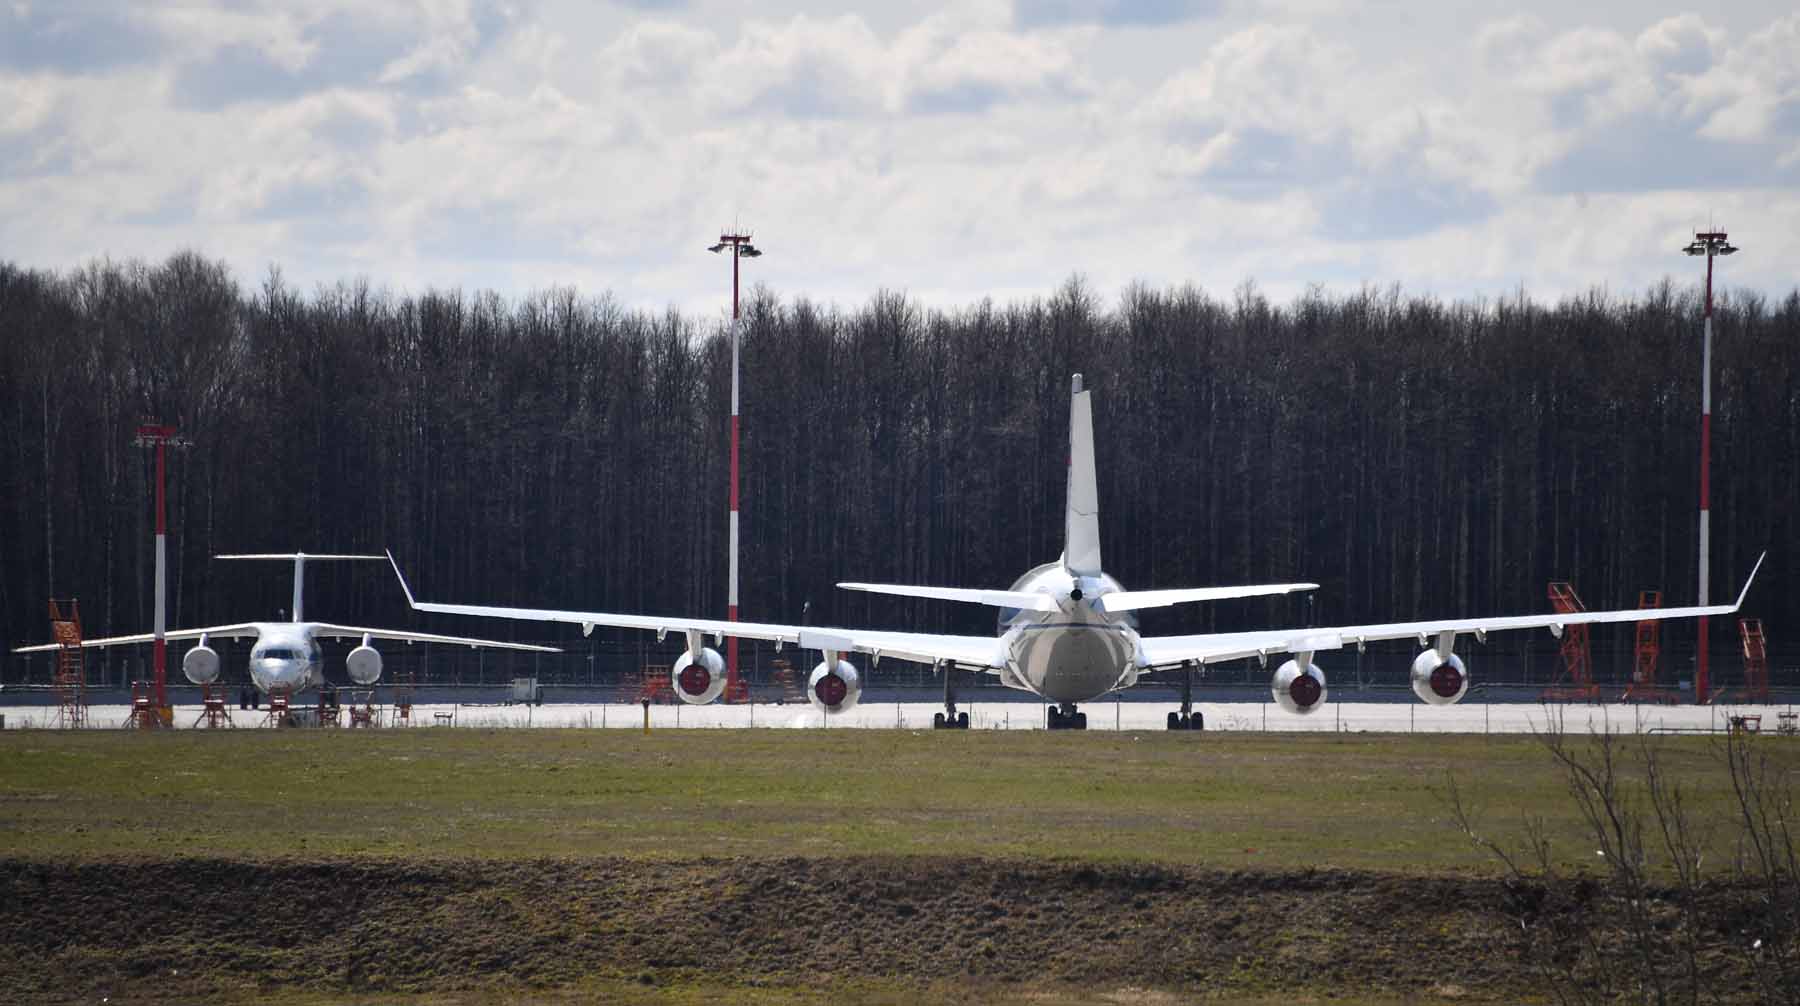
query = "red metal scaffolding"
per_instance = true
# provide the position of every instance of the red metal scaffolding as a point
(70, 676)
(1576, 682)
(1756, 660)
(1644, 686)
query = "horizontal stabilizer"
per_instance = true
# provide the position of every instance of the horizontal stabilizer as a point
(291, 556)
(1132, 600)
(1023, 600)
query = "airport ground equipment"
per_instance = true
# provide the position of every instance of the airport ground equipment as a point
(1756, 660)
(525, 691)
(363, 710)
(70, 675)
(212, 707)
(655, 684)
(783, 676)
(1646, 652)
(404, 687)
(278, 714)
(1576, 682)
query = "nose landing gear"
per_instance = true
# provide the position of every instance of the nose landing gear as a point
(1065, 717)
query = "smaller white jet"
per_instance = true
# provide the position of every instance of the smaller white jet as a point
(286, 656)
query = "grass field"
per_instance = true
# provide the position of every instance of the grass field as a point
(1222, 800)
(561, 866)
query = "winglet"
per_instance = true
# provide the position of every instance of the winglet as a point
(402, 578)
(1752, 579)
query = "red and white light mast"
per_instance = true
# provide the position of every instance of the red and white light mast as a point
(1710, 244)
(741, 248)
(154, 434)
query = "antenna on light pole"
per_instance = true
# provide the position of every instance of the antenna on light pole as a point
(740, 248)
(1711, 244)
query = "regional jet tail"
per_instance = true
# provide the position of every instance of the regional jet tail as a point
(286, 656)
(1067, 631)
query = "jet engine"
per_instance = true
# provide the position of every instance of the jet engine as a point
(698, 681)
(364, 665)
(834, 689)
(1439, 681)
(201, 665)
(1296, 690)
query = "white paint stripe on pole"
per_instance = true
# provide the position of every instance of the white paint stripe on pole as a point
(733, 599)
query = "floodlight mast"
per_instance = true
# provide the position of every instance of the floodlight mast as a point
(1710, 244)
(741, 248)
(162, 437)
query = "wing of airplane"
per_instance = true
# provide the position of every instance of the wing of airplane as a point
(1169, 651)
(322, 630)
(970, 651)
(239, 630)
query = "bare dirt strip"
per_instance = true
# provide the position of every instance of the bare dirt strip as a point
(193, 929)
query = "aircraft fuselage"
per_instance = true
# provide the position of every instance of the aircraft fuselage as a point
(1076, 653)
(285, 656)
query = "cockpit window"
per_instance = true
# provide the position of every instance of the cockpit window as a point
(280, 653)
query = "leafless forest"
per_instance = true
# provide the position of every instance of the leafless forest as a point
(1414, 456)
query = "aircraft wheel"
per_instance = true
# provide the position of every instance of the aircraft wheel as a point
(962, 721)
(937, 721)
(1175, 722)
(1081, 721)
(1198, 722)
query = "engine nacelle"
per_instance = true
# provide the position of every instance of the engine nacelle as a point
(201, 665)
(364, 665)
(698, 681)
(1296, 690)
(1438, 681)
(834, 689)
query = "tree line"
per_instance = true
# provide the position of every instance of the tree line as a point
(1414, 456)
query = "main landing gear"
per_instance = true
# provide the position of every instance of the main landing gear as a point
(1188, 718)
(949, 719)
(1064, 717)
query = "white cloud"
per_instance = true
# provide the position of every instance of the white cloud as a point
(956, 152)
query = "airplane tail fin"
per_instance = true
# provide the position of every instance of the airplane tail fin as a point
(1081, 542)
(299, 559)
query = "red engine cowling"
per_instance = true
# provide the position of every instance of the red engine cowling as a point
(1296, 690)
(698, 681)
(1439, 681)
(834, 689)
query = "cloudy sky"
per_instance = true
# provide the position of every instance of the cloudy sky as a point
(953, 151)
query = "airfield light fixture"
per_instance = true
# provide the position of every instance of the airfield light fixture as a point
(741, 248)
(1710, 244)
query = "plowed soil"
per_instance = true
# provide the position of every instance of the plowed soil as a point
(222, 929)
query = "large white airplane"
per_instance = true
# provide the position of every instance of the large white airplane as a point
(286, 655)
(1068, 631)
